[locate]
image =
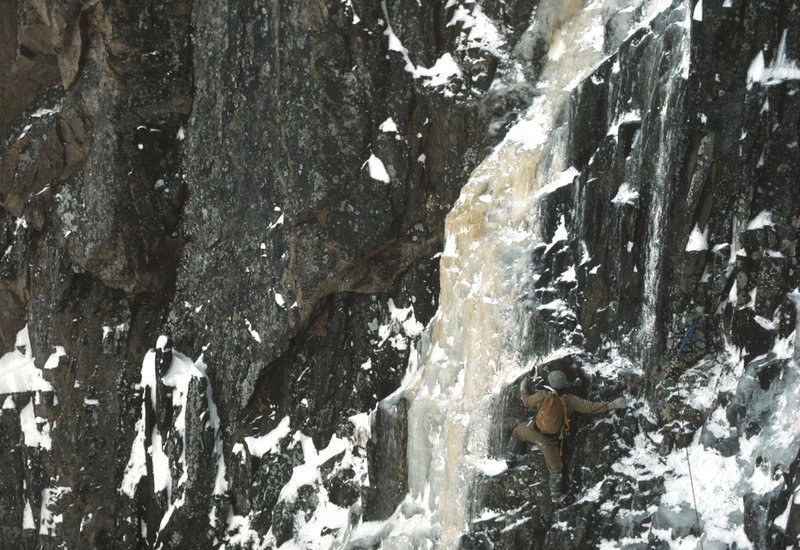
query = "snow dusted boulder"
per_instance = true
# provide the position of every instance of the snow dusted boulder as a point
(286, 515)
(670, 523)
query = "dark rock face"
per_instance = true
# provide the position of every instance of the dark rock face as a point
(92, 242)
(312, 249)
(284, 121)
(266, 184)
(201, 169)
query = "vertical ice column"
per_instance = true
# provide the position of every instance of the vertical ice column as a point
(660, 183)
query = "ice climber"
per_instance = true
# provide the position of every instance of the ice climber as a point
(548, 428)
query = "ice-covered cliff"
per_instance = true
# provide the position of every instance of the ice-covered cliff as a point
(272, 272)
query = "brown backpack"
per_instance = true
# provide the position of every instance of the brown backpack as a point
(552, 415)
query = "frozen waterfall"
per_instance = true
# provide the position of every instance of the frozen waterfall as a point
(471, 351)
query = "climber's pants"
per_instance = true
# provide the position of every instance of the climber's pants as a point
(550, 446)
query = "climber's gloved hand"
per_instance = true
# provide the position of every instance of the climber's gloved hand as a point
(618, 403)
(524, 385)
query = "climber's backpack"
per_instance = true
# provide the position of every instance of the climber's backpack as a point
(552, 416)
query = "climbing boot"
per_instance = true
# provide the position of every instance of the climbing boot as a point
(556, 488)
(564, 501)
(515, 451)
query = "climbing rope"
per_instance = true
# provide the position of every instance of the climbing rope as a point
(689, 464)
(672, 366)
(669, 367)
